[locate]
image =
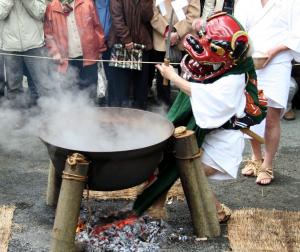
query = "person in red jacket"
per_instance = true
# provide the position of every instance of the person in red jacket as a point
(75, 39)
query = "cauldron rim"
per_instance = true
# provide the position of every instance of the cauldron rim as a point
(44, 139)
(104, 152)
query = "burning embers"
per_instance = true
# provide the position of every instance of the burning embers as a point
(124, 232)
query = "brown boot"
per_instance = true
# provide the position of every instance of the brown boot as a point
(290, 115)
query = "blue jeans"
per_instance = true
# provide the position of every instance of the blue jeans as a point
(37, 69)
(33, 92)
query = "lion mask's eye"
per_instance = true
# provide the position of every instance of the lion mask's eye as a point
(217, 49)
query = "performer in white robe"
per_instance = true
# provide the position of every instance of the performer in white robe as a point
(225, 98)
(214, 104)
(218, 96)
(273, 27)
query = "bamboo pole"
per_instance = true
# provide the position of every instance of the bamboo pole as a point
(252, 134)
(158, 209)
(53, 186)
(68, 207)
(195, 185)
(167, 63)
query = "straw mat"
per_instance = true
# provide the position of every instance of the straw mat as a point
(175, 192)
(257, 230)
(6, 215)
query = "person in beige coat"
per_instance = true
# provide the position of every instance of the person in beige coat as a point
(22, 39)
(160, 25)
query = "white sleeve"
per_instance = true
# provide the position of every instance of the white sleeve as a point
(214, 104)
(35, 8)
(5, 8)
(293, 34)
(240, 13)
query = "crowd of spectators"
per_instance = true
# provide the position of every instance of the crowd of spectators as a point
(56, 44)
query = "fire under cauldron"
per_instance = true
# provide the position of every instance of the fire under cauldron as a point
(122, 145)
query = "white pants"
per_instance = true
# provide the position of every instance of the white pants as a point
(223, 150)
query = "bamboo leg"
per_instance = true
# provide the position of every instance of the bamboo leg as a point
(195, 185)
(53, 186)
(158, 209)
(68, 207)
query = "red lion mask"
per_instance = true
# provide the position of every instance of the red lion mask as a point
(217, 48)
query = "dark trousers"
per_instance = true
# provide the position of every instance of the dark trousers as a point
(2, 77)
(119, 86)
(84, 77)
(105, 56)
(152, 68)
(163, 92)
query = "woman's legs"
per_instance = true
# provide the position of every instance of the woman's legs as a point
(256, 150)
(252, 166)
(272, 137)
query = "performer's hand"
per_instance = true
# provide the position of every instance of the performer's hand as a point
(196, 25)
(174, 38)
(129, 46)
(169, 73)
(57, 58)
(270, 55)
(273, 52)
(166, 71)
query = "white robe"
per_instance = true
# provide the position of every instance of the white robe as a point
(277, 23)
(213, 105)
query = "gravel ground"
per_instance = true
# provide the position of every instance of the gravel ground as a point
(23, 183)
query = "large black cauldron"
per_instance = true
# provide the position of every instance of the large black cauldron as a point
(123, 145)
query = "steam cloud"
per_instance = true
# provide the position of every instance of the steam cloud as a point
(69, 119)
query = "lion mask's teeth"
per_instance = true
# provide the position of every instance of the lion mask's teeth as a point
(186, 75)
(217, 66)
(196, 64)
